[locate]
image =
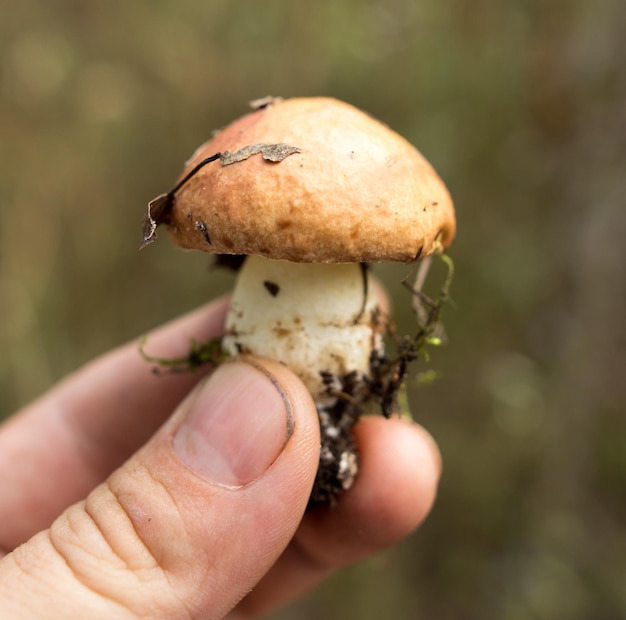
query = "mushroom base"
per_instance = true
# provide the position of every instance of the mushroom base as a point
(339, 457)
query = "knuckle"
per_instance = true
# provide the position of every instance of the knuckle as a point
(113, 549)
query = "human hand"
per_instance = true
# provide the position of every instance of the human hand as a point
(194, 513)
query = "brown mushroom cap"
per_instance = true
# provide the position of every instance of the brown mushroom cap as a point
(355, 192)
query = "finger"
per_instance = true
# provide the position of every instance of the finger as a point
(57, 449)
(393, 493)
(192, 521)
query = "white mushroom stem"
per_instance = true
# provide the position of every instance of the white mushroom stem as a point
(321, 320)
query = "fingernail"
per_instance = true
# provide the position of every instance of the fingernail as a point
(236, 425)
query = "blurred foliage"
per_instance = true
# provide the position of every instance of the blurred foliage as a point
(521, 107)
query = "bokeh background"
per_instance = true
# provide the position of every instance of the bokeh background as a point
(521, 107)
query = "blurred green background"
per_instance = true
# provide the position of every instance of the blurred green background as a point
(521, 107)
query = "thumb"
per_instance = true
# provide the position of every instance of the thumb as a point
(193, 520)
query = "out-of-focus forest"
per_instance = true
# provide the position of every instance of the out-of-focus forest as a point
(521, 107)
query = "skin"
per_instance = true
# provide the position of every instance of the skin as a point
(100, 516)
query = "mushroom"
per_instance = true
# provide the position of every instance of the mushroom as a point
(310, 190)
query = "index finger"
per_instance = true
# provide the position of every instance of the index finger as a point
(57, 449)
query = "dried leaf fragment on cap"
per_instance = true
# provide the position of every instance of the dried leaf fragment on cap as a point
(270, 152)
